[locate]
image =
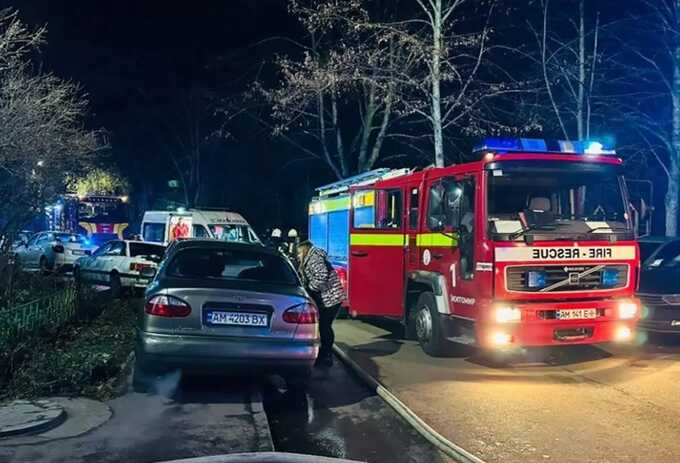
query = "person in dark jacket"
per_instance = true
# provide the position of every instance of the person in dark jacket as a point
(322, 282)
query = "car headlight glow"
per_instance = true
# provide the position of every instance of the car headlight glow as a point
(507, 314)
(627, 310)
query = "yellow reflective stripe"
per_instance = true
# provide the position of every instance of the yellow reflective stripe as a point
(329, 205)
(366, 239)
(435, 239)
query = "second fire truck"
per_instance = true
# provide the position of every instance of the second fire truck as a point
(530, 245)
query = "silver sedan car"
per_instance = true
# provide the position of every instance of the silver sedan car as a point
(218, 307)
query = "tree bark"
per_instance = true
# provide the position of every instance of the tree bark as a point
(436, 84)
(581, 72)
(674, 161)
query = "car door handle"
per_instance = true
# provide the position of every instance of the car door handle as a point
(359, 253)
(437, 256)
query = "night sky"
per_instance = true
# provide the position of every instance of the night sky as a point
(136, 60)
(133, 59)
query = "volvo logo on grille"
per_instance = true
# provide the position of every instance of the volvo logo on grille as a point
(574, 278)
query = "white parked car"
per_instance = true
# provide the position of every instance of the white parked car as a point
(52, 251)
(120, 265)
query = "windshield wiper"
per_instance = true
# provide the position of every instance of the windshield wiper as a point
(516, 234)
(613, 229)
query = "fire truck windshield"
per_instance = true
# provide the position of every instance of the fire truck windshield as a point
(100, 210)
(567, 201)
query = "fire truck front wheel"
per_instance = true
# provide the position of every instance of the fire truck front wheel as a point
(426, 322)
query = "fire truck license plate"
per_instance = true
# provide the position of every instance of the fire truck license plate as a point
(575, 314)
(236, 318)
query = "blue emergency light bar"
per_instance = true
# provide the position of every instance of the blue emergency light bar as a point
(539, 145)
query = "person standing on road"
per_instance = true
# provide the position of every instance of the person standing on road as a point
(321, 280)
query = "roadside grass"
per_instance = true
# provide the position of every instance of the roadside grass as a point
(83, 358)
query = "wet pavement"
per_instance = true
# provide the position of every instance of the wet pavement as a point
(582, 403)
(340, 417)
(192, 417)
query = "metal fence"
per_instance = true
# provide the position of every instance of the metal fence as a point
(49, 312)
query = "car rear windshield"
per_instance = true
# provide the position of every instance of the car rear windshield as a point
(145, 249)
(232, 264)
(69, 238)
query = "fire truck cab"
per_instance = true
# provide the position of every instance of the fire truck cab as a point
(530, 245)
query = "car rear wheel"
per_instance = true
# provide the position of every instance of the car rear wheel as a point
(142, 379)
(78, 277)
(427, 328)
(44, 266)
(115, 285)
(299, 383)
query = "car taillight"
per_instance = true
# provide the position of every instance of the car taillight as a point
(303, 314)
(137, 267)
(58, 248)
(167, 306)
(342, 275)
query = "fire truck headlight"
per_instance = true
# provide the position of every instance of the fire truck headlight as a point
(627, 310)
(500, 339)
(623, 333)
(506, 314)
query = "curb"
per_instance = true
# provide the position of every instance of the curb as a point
(447, 447)
(44, 424)
(122, 382)
(265, 441)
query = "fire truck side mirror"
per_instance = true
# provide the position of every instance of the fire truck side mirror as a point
(437, 225)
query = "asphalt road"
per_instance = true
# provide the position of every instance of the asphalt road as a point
(341, 418)
(202, 416)
(583, 404)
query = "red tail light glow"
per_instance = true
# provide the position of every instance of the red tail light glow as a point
(167, 306)
(137, 267)
(303, 314)
(342, 274)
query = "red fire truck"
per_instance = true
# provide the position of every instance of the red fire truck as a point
(530, 245)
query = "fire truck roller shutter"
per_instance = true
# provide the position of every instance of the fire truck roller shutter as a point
(434, 282)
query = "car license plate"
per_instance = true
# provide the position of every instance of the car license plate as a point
(215, 317)
(575, 314)
(78, 252)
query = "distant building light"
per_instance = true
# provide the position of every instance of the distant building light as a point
(124, 198)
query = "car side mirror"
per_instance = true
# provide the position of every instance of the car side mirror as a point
(148, 272)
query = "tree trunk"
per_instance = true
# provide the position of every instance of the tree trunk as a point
(436, 84)
(581, 72)
(674, 164)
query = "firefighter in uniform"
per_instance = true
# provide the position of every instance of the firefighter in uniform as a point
(321, 280)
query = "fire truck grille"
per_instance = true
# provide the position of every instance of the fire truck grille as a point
(561, 278)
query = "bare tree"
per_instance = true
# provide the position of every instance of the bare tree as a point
(455, 84)
(648, 93)
(42, 141)
(336, 101)
(569, 55)
(189, 131)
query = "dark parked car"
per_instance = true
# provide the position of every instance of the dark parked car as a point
(660, 288)
(217, 306)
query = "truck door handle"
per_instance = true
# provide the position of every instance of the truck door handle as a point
(359, 253)
(437, 256)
